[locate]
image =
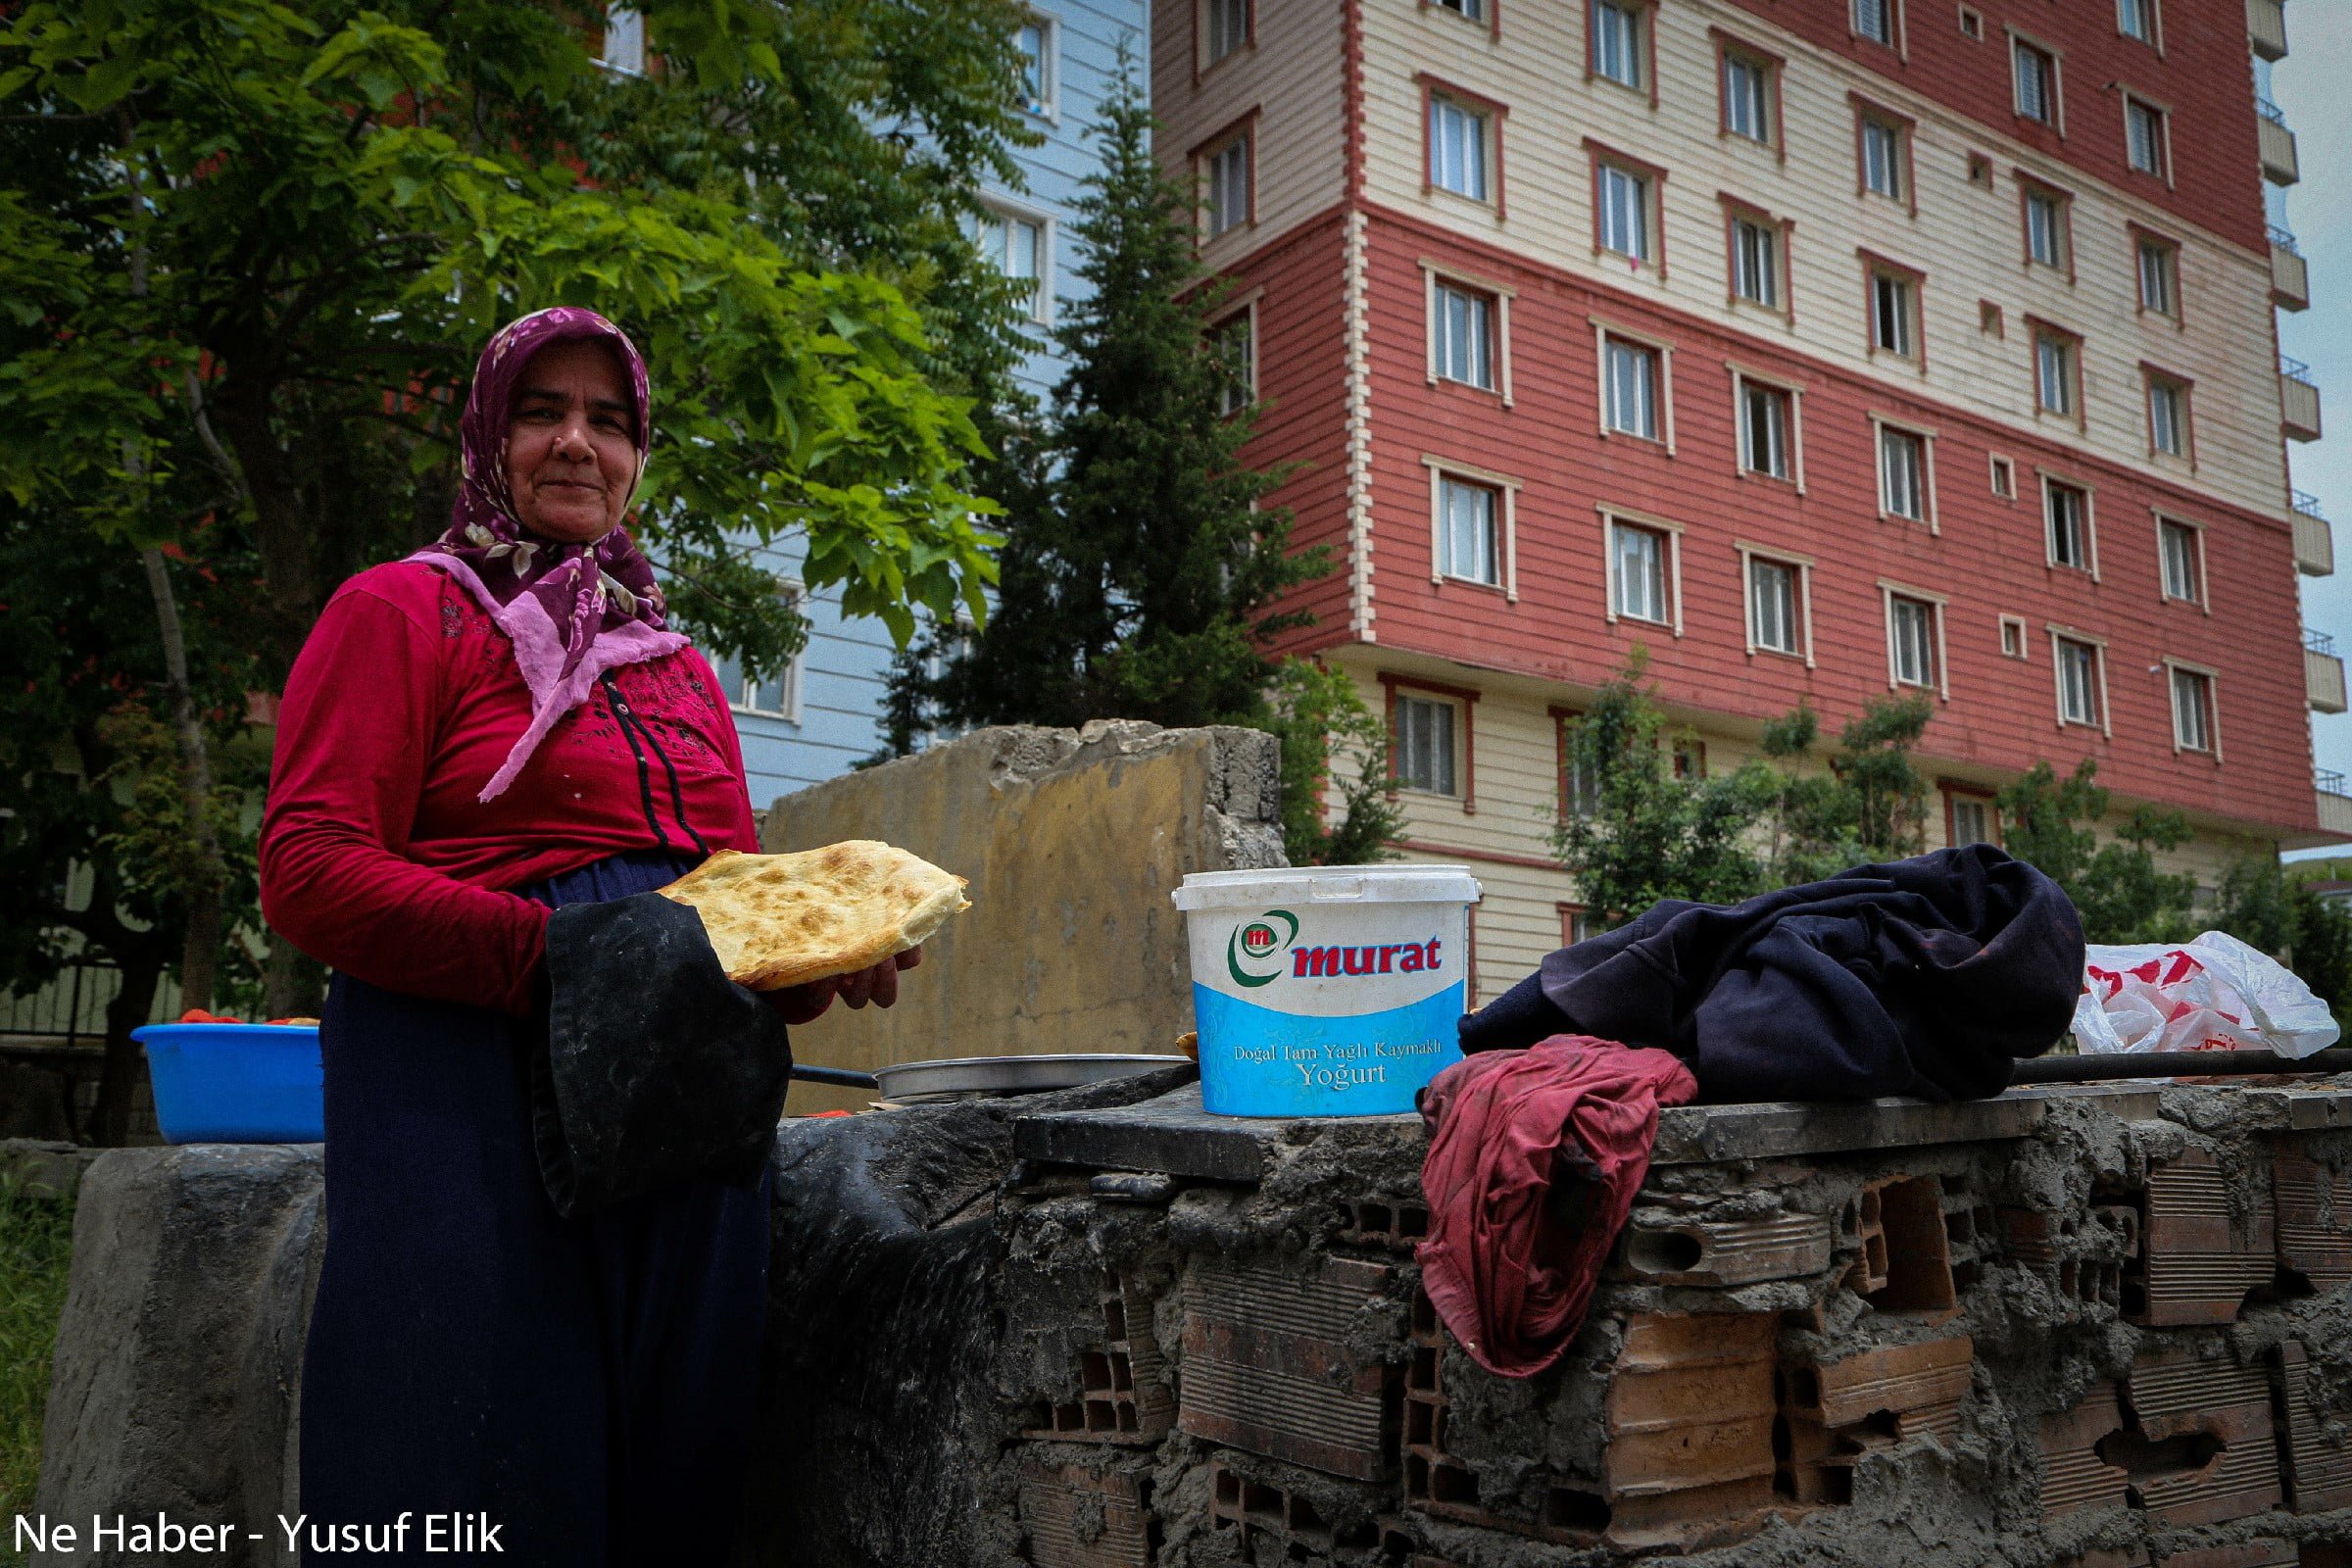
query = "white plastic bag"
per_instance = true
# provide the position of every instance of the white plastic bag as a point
(2210, 994)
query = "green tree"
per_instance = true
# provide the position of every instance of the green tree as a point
(2272, 907)
(1138, 581)
(2115, 885)
(1330, 736)
(253, 250)
(1633, 833)
(1868, 804)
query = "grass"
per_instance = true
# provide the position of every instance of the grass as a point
(36, 1234)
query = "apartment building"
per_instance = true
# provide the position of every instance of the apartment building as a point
(823, 714)
(1825, 349)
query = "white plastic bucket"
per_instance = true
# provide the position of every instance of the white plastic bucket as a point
(1328, 990)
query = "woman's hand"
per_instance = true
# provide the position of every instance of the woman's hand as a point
(878, 985)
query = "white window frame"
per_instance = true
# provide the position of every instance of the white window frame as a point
(1006, 213)
(2091, 524)
(2070, 350)
(2168, 255)
(1211, 10)
(2000, 476)
(1636, 38)
(732, 685)
(2022, 650)
(1938, 611)
(2154, 383)
(1506, 521)
(1670, 567)
(1662, 391)
(623, 48)
(2104, 724)
(2055, 87)
(1882, 425)
(1893, 135)
(1956, 801)
(1455, 747)
(1792, 433)
(1214, 163)
(2161, 125)
(1774, 234)
(2060, 228)
(1498, 295)
(1467, 10)
(1890, 13)
(2152, 11)
(1801, 570)
(1480, 169)
(2174, 671)
(1243, 310)
(1912, 316)
(1757, 102)
(1046, 106)
(1608, 215)
(2166, 521)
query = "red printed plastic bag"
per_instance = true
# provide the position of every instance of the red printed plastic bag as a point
(2211, 994)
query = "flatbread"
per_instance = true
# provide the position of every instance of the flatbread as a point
(779, 920)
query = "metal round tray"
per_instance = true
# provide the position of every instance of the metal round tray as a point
(914, 1083)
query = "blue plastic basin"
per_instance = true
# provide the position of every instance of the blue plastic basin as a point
(236, 1082)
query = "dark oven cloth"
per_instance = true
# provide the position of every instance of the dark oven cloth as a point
(1534, 1160)
(587, 1382)
(659, 1069)
(1924, 977)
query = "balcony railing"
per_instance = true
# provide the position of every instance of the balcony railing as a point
(2319, 642)
(2278, 160)
(2336, 801)
(2298, 400)
(2265, 28)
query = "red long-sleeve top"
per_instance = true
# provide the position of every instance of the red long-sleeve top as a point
(377, 857)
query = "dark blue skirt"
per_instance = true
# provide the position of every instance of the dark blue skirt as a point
(586, 1385)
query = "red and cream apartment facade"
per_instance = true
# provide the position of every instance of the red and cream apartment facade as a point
(1823, 348)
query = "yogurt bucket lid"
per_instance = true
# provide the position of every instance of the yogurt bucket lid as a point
(1389, 883)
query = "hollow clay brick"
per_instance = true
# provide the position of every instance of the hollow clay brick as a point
(2314, 1220)
(2073, 1476)
(2319, 1473)
(1122, 1391)
(2263, 1552)
(2176, 1397)
(1919, 1385)
(1267, 1367)
(1077, 1519)
(2198, 1262)
(1689, 1418)
(1774, 1247)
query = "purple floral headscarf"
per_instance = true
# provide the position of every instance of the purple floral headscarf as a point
(571, 611)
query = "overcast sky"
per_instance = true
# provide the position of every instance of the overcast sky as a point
(2310, 85)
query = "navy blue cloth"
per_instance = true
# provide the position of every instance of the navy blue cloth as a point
(1924, 977)
(587, 1382)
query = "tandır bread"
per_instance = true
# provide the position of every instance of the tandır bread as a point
(779, 920)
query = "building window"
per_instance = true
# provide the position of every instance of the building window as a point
(1972, 24)
(2144, 135)
(2159, 276)
(1766, 425)
(2192, 709)
(1746, 96)
(2047, 242)
(1425, 747)
(1617, 43)
(1883, 158)
(2137, 18)
(1772, 608)
(2067, 507)
(1469, 531)
(2079, 683)
(1903, 473)
(1035, 41)
(1911, 641)
(1756, 261)
(1234, 340)
(1015, 246)
(776, 695)
(1467, 10)
(1458, 150)
(2056, 364)
(2004, 478)
(2181, 550)
(2168, 415)
(1874, 20)
(2036, 71)
(1464, 327)
(1972, 819)
(1630, 393)
(1626, 209)
(1980, 170)
(1577, 923)
(1638, 573)
(1893, 313)
(2013, 637)
(1229, 186)
(1228, 26)
(624, 41)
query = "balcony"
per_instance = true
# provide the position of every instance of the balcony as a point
(2290, 273)
(2335, 803)
(2323, 674)
(2298, 400)
(2314, 541)
(2278, 144)
(2265, 28)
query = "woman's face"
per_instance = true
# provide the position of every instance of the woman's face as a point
(572, 447)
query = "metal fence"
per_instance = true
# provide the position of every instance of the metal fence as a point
(71, 1010)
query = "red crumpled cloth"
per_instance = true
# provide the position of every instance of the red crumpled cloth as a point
(1506, 1127)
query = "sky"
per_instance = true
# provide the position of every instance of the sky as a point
(2309, 84)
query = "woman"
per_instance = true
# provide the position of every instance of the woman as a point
(499, 724)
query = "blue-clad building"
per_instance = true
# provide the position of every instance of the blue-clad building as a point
(824, 714)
